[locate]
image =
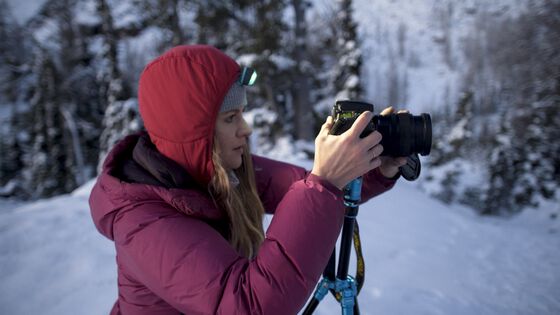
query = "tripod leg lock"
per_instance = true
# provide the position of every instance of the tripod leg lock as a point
(352, 193)
(348, 292)
(323, 288)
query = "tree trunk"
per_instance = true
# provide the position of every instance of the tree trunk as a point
(300, 83)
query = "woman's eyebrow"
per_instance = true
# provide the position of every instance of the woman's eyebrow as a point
(237, 110)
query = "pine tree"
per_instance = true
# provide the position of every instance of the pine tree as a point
(170, 20)
(11, 152)
(48, 161)
(347, 74)
(14, 74)
(502, 175)
(302, 72)
(165, 15)
(121, 115)
(6, 91)
(448, 151)
(542, 133)
(526, 169)
(322, 62)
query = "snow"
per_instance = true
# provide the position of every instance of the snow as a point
(282, 62)
(86, 13)
(23, 10)
(247, 59)
(422, 257)
(460, 131)
(125, 13)
(52, 259)
(46, 34)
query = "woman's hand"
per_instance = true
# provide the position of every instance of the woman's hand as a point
(342, 158)
(390, 165)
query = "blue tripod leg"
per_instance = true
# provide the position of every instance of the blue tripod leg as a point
(342, 284)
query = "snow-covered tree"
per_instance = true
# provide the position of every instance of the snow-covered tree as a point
(15, 88)
(515, 103)
(301, 74)
(451, 151)
(529, 162)
(10, 154)
(47, 164)
(120, 112)
(347, 72)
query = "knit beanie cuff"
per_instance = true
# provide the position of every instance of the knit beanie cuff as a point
(235, 98)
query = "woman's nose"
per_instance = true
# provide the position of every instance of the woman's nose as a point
(244, 130)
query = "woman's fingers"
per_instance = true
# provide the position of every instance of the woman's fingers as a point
(327, 124)
(400, 161)
(372, 139)
(360, 124)
(376, 151)
(387, 111)
(374, 163)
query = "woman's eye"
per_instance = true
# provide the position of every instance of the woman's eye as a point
(230, 118)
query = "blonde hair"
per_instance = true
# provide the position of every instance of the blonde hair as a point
(241, 202)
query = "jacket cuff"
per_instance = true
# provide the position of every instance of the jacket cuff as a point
(386, 182)
(325, 183)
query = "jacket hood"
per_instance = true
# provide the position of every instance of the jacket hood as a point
(113, 193)
(180, 94)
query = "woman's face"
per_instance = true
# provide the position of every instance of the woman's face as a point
(232, 133)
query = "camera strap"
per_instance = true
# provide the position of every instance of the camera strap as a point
(360, 264)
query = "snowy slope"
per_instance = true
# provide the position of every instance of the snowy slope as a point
(421, 258)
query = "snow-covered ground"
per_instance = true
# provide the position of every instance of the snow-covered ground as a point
(422, 257)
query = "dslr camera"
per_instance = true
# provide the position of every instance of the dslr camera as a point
(403, 134)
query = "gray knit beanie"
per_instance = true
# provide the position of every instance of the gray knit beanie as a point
(235, 98)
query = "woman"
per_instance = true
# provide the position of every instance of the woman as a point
(184, 203)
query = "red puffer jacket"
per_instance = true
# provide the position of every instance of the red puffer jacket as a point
(170, 238)
(172, 255)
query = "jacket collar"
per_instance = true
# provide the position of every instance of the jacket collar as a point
(135, 170)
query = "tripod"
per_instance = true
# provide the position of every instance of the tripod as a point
(343, 285)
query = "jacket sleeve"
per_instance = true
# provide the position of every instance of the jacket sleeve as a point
(274, 178)
(374, 183)
(189, 265)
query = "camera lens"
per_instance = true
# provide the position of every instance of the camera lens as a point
(404, 134)
(422, 129)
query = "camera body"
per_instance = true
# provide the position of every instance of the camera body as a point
(403, 134)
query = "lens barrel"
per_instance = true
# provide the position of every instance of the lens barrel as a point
(404, 134)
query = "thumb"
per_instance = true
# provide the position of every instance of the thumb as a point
(326, 127)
